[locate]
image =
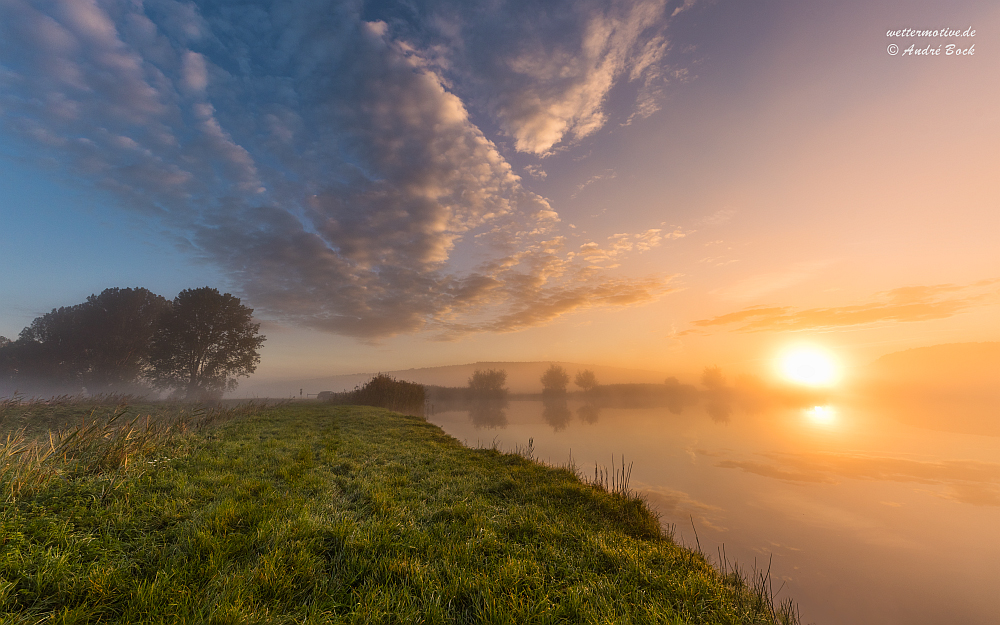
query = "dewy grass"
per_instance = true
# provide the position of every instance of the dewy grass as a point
(340, 514)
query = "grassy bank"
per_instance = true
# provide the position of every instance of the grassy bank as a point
(316, 513)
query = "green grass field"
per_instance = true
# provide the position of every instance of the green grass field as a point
(313, 513)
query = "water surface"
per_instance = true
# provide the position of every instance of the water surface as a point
(864, 519)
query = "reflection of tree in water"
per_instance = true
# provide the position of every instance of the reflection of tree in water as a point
(588, 413)
(556, 412)
(719, 411)
(488, 412)
(718, 397)
(488, 398)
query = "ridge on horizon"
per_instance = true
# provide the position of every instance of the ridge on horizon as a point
(523, 376)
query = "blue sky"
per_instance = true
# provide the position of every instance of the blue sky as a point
(420, 183)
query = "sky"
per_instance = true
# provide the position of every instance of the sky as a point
(645, 184)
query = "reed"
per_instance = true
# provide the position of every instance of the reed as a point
(385, 391)
(93, 443)
(756, 592)
(615, 480)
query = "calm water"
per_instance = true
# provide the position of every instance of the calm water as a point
(866, 520)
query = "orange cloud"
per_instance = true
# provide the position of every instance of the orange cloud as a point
(911, 303)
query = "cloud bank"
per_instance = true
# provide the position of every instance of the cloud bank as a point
(324, 153)
(904, 304)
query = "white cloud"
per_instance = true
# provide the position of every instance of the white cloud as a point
(195, 74)
(328, 164)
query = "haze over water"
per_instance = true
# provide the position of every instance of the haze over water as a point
(863, 519)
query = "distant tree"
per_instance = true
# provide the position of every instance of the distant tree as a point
(4, 342)
(585, 379)
(712, 378)
(554, 380)
(206, 341)
(488, 398)
(489, 384)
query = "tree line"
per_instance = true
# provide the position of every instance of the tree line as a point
(135, 341)
(555, 379)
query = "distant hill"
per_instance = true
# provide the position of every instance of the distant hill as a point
(951, 364)
(522, 377)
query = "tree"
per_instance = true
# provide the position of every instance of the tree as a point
(206, 341)
(52, 350)
(7, 364)
(489, 384)
(119, 326)
(101, 344)
(554, 380)
(712, 378)
(585, 379)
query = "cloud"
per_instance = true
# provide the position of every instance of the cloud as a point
(966, 481)
(535, 172)
(545, 72)
(677, 504)
(776, 472)
(718, 218)
(194, 72)
(905, 304)
(621, 244)
(326, 158)
(607, 175)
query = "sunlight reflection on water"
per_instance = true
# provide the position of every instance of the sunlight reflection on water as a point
(824, 415)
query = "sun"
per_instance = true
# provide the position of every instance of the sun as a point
(809, 366)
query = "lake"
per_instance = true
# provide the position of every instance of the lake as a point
(862, 519)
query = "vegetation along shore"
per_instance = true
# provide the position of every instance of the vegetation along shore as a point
(320, 513)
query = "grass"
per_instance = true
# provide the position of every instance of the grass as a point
(314, 513)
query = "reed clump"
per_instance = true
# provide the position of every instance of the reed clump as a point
(91, 436)
(385, 391)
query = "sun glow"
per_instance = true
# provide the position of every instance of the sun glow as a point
(822, 414)
(809, 366)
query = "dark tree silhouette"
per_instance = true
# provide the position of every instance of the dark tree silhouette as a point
(52, 349)
(101, 344)
(8, 365)
(119, 326)
(204, 344)
(554, 380)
